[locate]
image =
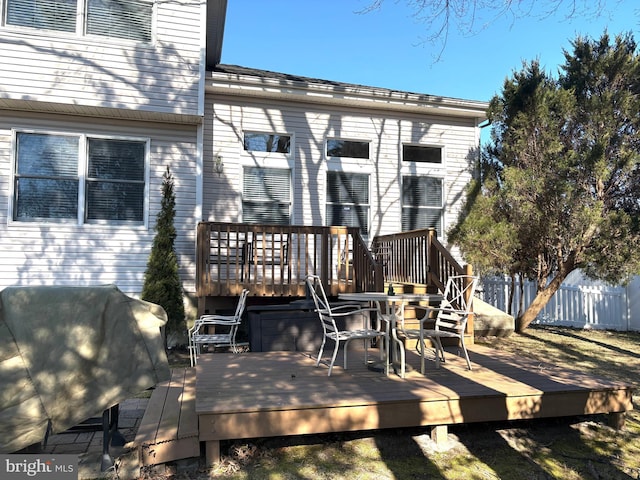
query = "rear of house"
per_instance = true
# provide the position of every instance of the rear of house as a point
(305, 151)
(97, 102)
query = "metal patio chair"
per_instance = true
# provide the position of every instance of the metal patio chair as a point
(199, 336)
(450, 319)
(329, 314)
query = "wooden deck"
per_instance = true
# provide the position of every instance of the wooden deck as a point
(169, 428)
(282, 393)
(252, 395)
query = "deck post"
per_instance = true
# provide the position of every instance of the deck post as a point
(469, 333)
(616, 420)
(212, 452)
(439, 434)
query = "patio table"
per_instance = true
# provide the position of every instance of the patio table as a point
(393, 301)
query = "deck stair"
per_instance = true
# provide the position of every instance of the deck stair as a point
(169, 428)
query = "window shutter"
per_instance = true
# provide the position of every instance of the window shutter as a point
(46, 14)
(128, 19)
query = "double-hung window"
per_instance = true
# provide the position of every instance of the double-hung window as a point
(266, 195)
(348, 200)
(126, 19)
(79, 179)
(422, 203)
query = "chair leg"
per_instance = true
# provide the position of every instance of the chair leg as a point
(398, 352)
(466, 354)
(439, 351)
(333, 357)
(344, 353)
(321, 351)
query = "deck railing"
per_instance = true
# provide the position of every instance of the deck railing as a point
(274, 260)
(416, 257)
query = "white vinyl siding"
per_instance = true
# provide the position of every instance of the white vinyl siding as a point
(98, 253)
(311, 125)
(63, 71)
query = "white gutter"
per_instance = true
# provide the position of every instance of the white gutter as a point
(338, 94)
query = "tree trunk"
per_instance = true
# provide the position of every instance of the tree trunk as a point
(540, 301)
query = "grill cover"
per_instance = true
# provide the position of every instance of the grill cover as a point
(69, 353)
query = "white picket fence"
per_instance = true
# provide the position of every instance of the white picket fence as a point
(595, 306)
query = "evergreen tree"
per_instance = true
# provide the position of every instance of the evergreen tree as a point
(162, 284)
(560, 188)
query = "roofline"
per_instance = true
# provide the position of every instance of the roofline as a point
(273, 86)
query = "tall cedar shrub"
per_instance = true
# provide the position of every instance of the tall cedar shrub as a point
(161, 279)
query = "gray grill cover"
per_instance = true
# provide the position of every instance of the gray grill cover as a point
(68, 353)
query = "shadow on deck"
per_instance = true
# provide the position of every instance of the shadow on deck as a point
(270, 394)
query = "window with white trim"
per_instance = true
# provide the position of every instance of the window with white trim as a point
(266, 195)
(348, 200)
(422, 154)
(78, 178)
(347, 148)
(126, 19)
(422, 203)
(267, 142)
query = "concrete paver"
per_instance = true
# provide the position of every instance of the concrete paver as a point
(87, 444)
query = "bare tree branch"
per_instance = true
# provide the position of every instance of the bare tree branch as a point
(470, 17)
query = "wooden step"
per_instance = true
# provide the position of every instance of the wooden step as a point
(169, 428)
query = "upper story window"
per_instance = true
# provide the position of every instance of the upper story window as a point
(422, 203)
(79, 179)
(127, 19)
(422, 153)
(348, 200)
(267, 142)
(347, 148)
(266, 195)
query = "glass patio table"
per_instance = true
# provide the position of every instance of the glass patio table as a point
(394, 302)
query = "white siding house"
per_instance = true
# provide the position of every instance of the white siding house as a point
(95, 103)
(93, 109)
(368, 135)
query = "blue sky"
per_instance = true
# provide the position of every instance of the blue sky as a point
(328, 39)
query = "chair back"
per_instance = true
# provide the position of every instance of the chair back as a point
(242, 302)
(459, 292)
(314, 285)
(454, 311)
